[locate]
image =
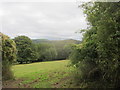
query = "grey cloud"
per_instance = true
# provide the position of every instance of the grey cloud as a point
(43, 20)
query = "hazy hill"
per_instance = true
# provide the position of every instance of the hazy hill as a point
(67, 41)
(40, 40)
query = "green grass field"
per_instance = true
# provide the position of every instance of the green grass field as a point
(51, 74)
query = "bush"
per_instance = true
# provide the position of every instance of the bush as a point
(8, 51)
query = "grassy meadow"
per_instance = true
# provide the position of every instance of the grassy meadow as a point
(35, 52)
(51, 74)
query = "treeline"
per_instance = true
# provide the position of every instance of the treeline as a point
(97, 58)
(43, 50)
(61, 48)
(32, 51)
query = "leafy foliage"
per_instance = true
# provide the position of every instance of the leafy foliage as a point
(25, 53)
(41, 50)
(60, 48)
(100, 46)
(46, 52)
(8, 50)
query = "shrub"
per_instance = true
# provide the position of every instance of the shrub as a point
(8, 50)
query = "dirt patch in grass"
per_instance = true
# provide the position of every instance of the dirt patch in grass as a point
(61, 82)
(28, 85)
(12, 83)
(18, 83)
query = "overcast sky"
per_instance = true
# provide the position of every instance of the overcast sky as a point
(42, 20)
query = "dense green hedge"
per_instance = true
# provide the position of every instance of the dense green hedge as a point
(98, 56)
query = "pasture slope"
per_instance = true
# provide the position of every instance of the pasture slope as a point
(51, 74)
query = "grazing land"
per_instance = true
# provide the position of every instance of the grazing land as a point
(51, 74)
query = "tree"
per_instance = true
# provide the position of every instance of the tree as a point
(101, 43)
(105, 18)
(24, 47)
(50, 53)
(35, 54)
(8, 51)
(46, 52)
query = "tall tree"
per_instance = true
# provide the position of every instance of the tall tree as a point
(24, 47)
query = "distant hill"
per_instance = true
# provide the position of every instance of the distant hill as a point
(67, 41)
(40, 40)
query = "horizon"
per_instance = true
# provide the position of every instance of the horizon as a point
(55, 39)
